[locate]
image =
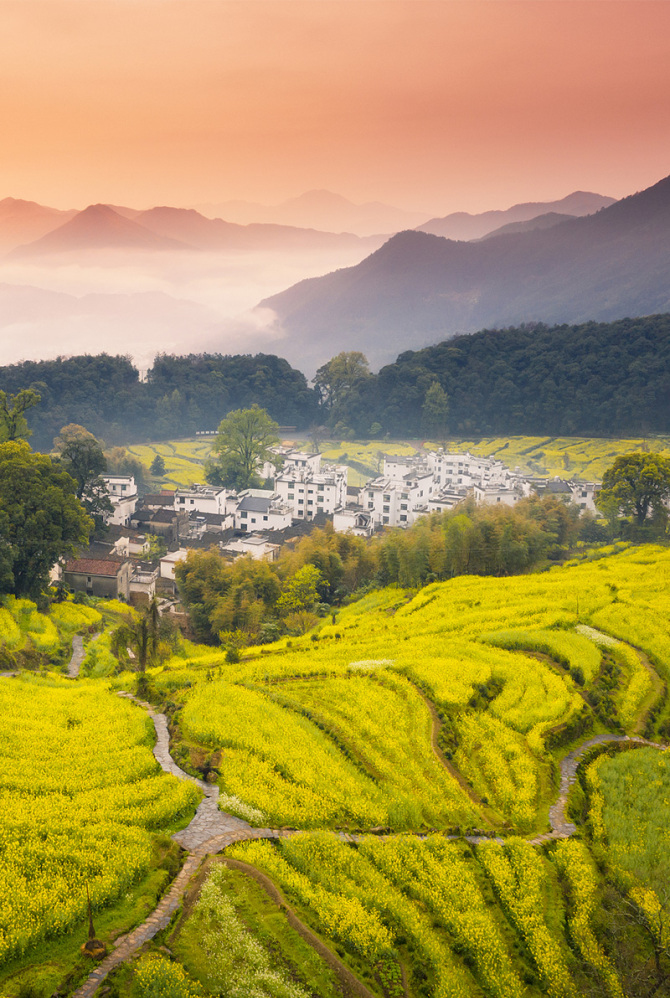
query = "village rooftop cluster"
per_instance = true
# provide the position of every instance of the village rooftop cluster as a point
(307, 492)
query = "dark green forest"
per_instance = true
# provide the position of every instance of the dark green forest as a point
(181, 396)
(593, 379)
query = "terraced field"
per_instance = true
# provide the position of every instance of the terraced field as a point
(406, 757)
(568, 457)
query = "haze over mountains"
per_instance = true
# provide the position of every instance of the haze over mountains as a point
(419, 288)
(117, 278)
(462, 225)
(320, 210)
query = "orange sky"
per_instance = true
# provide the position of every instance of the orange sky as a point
(437, 106)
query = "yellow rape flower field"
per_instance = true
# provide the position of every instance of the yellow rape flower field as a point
(409, 749)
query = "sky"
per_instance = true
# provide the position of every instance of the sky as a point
(430, 106)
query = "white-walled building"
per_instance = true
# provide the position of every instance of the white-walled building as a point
(261, 509)
(202, 499)
(167, 563)
(394, 504)
(132, 547)
(353, 520)
(465, 469)
(491, 495)
(310, 488)
(122, 492)
(259, 547)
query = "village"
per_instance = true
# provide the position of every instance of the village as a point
(147, 535)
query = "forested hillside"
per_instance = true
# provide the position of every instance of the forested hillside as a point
(181, 395)
(594, 379)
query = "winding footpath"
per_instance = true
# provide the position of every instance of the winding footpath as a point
(212, 831)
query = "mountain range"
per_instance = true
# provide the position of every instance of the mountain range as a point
(419, 288)
(320, 209)
(463, 225)
(102, 227)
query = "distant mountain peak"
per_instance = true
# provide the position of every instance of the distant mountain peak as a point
(464, 226)
(98, 226)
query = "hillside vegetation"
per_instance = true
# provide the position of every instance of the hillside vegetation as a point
(592, 378)
(445, 712)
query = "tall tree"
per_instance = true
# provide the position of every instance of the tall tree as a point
(435, 411)
(343, 385)
(13, 425)
(636, 485)
(82, 457)
(42, 520)
(243, 443)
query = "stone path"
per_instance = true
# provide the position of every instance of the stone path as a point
(212, 831)
(78, 655)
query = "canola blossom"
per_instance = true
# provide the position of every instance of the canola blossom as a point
(80, 793)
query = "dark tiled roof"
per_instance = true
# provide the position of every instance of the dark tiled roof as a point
(254, 504)
(164, 516)
(142, 515)
(160, 499)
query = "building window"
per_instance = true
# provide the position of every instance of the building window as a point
(387, 498)
(385, 519)
(403, 505)
(320, 488)
(291, 495)
(243, 514)
(403, 517)
(386, 509)
(265, 517)
(301, 502)
(371, 505)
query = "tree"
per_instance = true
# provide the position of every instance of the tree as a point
(41, 521)
(636, 485)
(435, 411)
(13, 425)
(301, 591)
(82, 457)
(243, 443)
(343, 386)
(157, 467)
(140, 633)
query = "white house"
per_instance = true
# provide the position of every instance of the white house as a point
(132, 547)
(168, 563)
(584, 494)
(491, 495)
(122, 492)
(259, 547)
(202, 499)
(261, 509)
(465, 469)
(395, 504)
(308, 488)
(353, 520)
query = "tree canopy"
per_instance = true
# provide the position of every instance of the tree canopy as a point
(82, 457)
(13, 423)
(636, 485)
(41, 519)
(242, 445)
